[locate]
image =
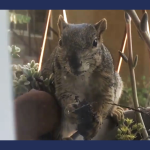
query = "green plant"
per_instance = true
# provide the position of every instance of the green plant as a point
(143, 94)
(126, 98)
(127, 130)
(14, 51)
(27, 77)
(19, 18)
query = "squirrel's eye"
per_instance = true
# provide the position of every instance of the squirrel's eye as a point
(95, 43)
(60, 42)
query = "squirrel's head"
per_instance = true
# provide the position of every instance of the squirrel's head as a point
(79, 45)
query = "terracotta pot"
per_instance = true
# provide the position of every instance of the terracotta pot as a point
(37, 116)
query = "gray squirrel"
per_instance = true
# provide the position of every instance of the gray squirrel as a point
(84, 78)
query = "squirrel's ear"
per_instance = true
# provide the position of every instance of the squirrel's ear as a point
(101, 26)
(61, 24)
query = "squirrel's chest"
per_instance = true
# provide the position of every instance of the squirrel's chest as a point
(70, 83)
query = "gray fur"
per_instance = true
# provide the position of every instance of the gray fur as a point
(84, 76)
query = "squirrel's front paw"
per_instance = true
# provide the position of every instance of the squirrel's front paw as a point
(117, 113)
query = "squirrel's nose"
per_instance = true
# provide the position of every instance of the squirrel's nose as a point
(74, 61)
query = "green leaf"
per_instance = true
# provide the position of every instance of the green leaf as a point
(36, 74)
(15, 56)
(129, 121)
(27, 72)
(17, 49)
(124, 129)
(19, 67)
(32, 63)
(119, 131)
(131, 137)
(134, 127)
(19, 18)
(15, 82)
(27, 83)
(23, 78)
(139, 126)
(36, 66)
(14, 67)
(32, 71)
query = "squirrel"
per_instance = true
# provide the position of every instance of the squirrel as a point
(85, 80)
